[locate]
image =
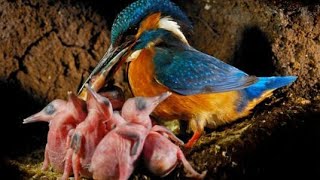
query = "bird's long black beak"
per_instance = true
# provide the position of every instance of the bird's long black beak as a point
(104, 70)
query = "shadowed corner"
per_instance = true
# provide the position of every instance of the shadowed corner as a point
(18, 139)
(254, 53)
(254, 56)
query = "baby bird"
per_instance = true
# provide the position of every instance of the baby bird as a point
(63, 117)
(116, 154)
(88, 134)
(161, 155)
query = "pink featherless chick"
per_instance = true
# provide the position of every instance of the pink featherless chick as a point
(63, 117)
(115, 95)
(118, 151)
(161, 155)
(88, 134)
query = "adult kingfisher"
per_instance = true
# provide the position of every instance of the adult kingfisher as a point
(148, 35)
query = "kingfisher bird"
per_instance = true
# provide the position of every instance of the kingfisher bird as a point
(149, 36)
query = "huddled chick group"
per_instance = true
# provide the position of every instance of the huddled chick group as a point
(90, 139)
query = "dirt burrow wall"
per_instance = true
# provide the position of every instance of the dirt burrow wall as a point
(51, 47)
(48, 47)
(262, 38)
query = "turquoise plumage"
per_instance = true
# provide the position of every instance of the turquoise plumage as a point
(205, 91)
(135, 12)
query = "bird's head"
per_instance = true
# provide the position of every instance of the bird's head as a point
(99, 104)
(140, 25)
(138, 109)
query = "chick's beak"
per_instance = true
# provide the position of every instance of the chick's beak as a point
(106, 68)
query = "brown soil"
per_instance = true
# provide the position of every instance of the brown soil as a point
(47, 48)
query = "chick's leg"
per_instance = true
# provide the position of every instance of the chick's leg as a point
(46, 161)
(188, 168)
(67, 165)
(76, 166)
(167, 132)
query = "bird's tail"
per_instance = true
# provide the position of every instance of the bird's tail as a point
(263, 88)
(266, 84)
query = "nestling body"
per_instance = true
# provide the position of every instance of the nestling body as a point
(63, 117)
(118, 151)
(161, 155)
(88, 134)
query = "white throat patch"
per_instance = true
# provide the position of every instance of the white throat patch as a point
(169, 24)
(133, 56)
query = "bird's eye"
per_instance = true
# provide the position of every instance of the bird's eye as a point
(132, 30)
(49, 109)
(127, 36)
(140, 103)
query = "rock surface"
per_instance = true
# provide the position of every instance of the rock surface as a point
(47, 48)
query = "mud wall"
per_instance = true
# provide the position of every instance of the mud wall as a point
(48, 47)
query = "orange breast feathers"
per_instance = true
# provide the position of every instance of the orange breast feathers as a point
(214, 108)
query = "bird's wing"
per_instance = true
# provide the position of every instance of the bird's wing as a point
(188, 71)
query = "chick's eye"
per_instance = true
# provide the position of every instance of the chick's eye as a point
(49, 109)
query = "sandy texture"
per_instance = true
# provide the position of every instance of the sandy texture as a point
(47, 48)
(50, 47)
